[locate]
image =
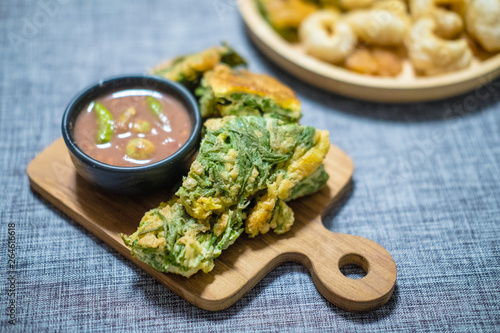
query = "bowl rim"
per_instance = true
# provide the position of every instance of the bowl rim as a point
(192, 107)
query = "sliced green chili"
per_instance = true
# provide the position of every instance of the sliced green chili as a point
(155, 106)
(105, 127)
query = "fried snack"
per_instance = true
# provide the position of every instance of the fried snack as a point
(449, 24)
(397, 23)
(456, 6)
(379, 27)
(376, 61)
(433, 55)
(188, 69)
(285, 16)
(247, 148)
(362, 61)
(247, 168)
(326, 37)
(389, 63)
(483, 23)
(397, 7)
(354, 4)
(329, 4)
(170, 240)
(310, 184)
(225, 91)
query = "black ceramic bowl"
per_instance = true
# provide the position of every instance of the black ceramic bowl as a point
(129, 180)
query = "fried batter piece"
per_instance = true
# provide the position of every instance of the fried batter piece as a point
(225, 91)
(432, 55)
(247, 168)
(285, 16)
(483, 23)
(236, 159)
(379, 26)
(449, 23)
(354, 4)
(375, 61)
(170, 240)
(326, 37)
(189, 69)
(397, 7)
(362, 61)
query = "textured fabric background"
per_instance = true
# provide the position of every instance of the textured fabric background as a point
(426, 185)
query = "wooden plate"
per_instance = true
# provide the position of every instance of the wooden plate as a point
(245, 263)
(407, 87)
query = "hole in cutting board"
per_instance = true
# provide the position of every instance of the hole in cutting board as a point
(353, 271)
(354, 266)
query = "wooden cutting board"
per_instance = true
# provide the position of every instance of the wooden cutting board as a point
(245, 263)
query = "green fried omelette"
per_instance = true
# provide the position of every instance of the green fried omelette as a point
(189, 69)
(247, 169)
(226, 91)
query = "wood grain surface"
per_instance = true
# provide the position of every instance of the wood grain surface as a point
(245, 263)
(407, 87)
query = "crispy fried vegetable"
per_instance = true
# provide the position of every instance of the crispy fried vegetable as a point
(242, 156)
(354, 4)
(285, 16)
(105, 125)
(170, 240)
(310, 184)
(246, 169)
(189, 69)
(225, 91)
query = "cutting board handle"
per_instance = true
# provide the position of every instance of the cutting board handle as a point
(325, 252)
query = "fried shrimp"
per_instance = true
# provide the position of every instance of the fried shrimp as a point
(433, 55)
(483, 23)
(380, 27)
(449, 24)
(326, 37)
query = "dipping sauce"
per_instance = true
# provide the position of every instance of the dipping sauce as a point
(132, 127)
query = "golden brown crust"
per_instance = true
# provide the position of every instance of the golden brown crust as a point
(192, 64)
(225, 81)
(287, 13)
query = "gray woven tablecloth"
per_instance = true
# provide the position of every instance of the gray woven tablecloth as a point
(426, 186)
